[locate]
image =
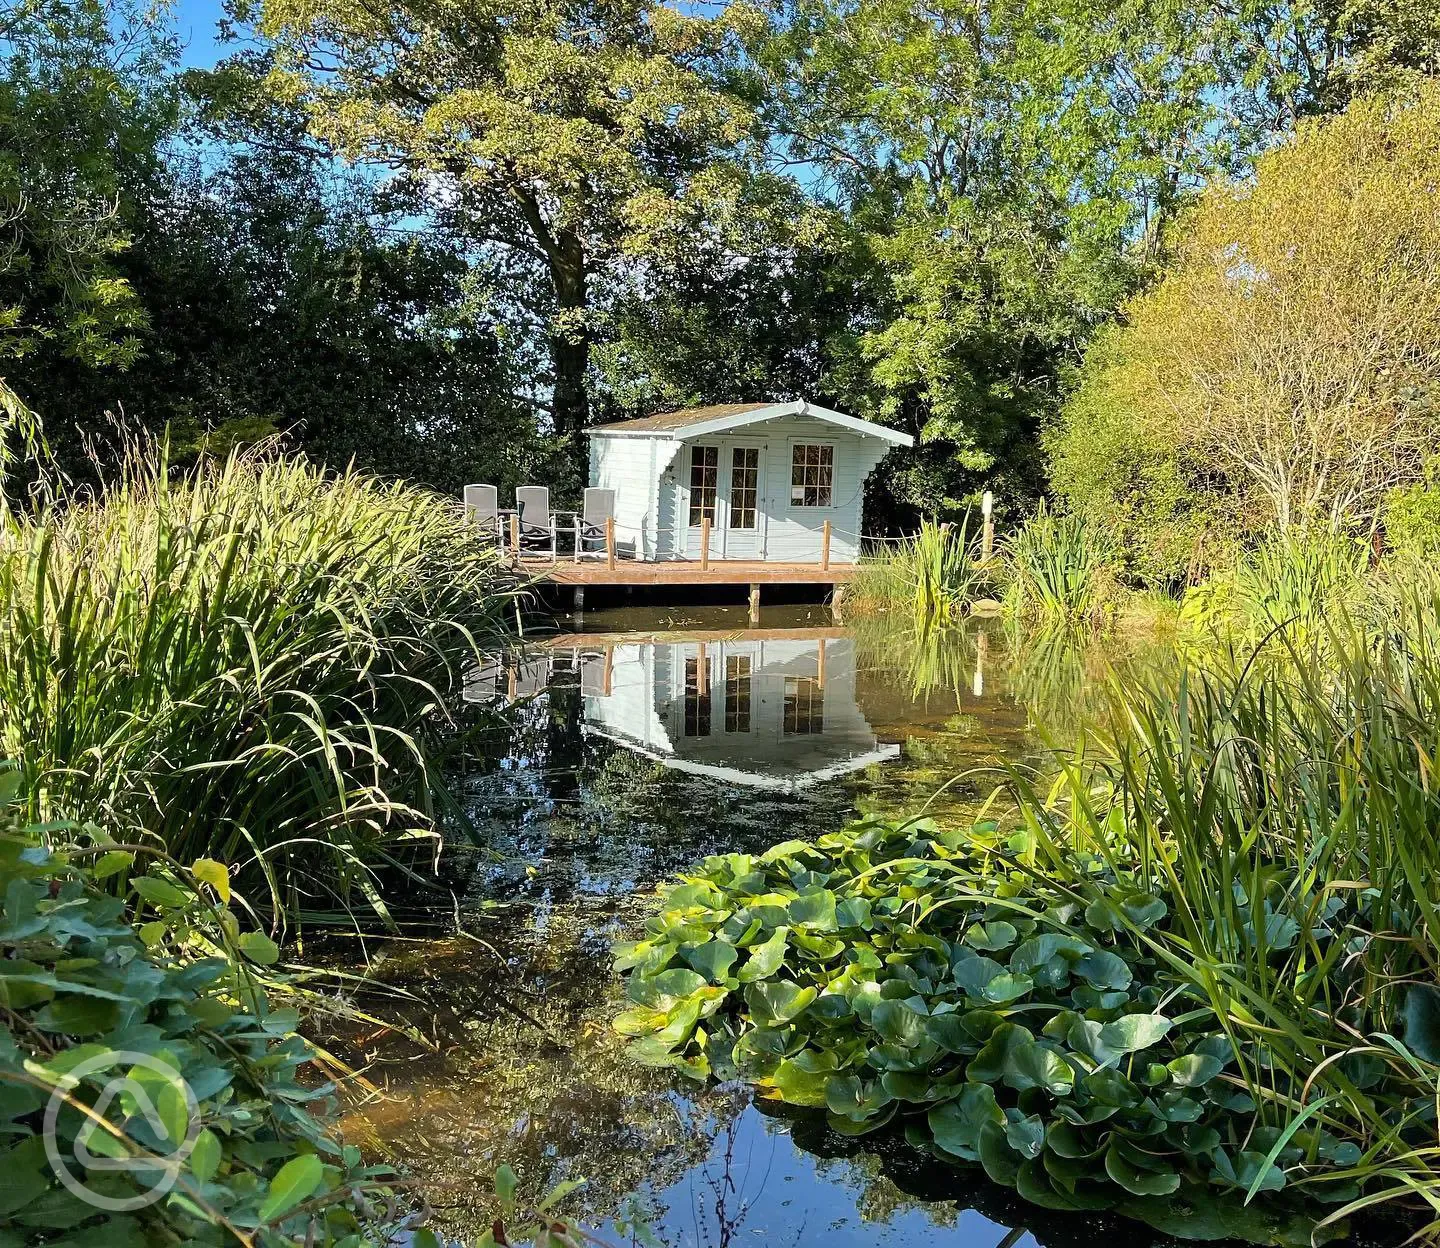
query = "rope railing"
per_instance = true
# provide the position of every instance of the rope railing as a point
(612, 540)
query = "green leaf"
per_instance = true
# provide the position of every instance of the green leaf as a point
(1420, 1022)
(713, 959)
(205, 1156)
(160, 892)
(1026, 1135)
(777, 1002)
(899, 1024)
(505, 1184)
(1194, 1070)
(1102, 969)
(258, 947)
(765, 959)
(116, 861)
(815, 910)
(1133, 1032)
(991, 1063)
(1035, 1066)
(991, 937)
(956, 1125)
(297, 1179)
(1139, 1182)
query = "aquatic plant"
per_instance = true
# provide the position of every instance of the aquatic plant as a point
(933, 575)
(1058, 566)
(1293, 582)
(247, 661)
(903, 973)
(1241, 867)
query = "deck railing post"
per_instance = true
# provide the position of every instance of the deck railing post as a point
(610, 542)
(515, 533)
(705, 543)
(825, 547)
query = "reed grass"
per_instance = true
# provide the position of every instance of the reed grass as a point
(1058, 567)
(932, 575)
(249, 661)
(1286, 811)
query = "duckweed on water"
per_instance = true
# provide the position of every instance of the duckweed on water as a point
(908, 974)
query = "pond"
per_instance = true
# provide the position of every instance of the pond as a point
(601, 764)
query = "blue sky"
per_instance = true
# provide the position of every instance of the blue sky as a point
(195, 21)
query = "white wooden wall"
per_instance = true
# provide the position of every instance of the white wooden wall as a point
(650, 477)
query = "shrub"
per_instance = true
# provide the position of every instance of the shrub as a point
(248, 662)
(87, 1001)
(1283, 370)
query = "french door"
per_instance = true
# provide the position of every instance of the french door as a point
(725, 486)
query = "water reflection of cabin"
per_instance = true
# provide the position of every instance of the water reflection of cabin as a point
(776, 713)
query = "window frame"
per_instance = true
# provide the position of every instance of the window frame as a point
(792, 504)
(693, 520)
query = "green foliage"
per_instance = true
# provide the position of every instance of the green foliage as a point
(932, 575)
(1058, 565)
(247, 662)
(1295, 582)
(1410, 517)
(901, 973)
(582, 140)
(1283, 370)
(85, 102)
(88, 1002)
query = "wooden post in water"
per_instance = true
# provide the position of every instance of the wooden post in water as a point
(825, 547)
(702, 670)
(610, 542)
(754, 605)
(820, 665)
(987, 540)
(515, 533)
(704, 543)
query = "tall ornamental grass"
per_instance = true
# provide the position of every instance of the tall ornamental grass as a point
(1287, 811)
(1059, 567)
(932, 575)
(246, 662)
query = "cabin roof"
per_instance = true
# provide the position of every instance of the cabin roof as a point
(695, 422)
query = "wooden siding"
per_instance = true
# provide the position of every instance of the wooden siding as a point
(650, 477)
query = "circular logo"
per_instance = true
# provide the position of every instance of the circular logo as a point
(149, 1095)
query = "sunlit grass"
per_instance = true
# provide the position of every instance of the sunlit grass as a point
(246, 662)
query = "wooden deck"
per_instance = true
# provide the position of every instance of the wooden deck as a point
(608, 641)
(686, 572)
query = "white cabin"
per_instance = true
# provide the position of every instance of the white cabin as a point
(766, 476)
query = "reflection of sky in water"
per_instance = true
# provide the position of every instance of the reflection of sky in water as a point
(614, 767)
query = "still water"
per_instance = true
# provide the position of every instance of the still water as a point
(601, 764)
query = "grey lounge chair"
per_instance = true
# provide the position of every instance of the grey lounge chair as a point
(590, 524)
(482, 509)
(537, 522)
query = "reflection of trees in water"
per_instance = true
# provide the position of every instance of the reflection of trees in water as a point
(529, 1073)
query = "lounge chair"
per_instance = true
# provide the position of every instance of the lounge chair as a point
(537, 522)
(482, 509)
(590, 524)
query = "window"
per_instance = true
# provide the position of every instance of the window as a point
(704, 471)
(737, 693)
(804, 706)
(812, 474)
(697, 700)
(744, 486)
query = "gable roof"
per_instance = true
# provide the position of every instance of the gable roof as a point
(695, 422)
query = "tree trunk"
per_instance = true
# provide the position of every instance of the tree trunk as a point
(569, 341)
